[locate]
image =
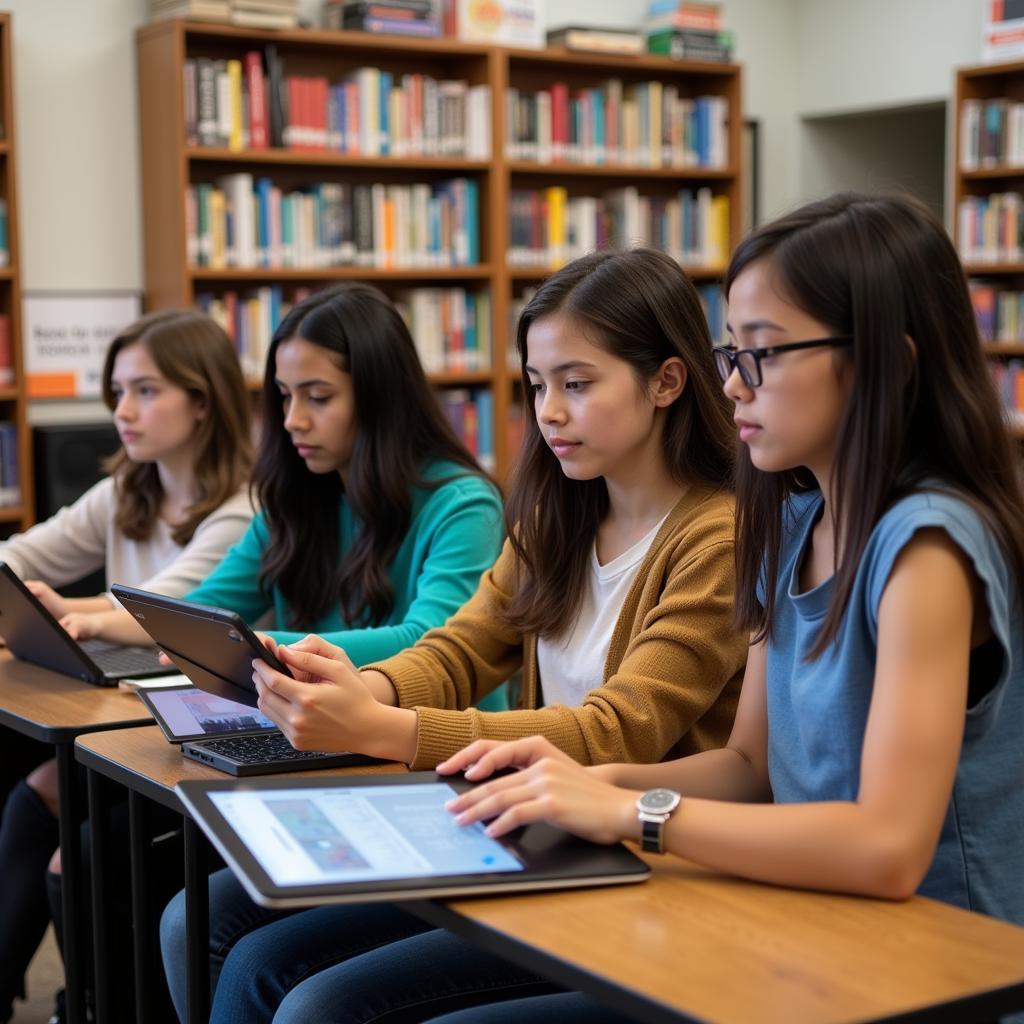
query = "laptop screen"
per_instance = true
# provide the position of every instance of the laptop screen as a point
(312, 835)
(190, 712)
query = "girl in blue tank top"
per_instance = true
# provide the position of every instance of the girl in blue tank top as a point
(880, 557)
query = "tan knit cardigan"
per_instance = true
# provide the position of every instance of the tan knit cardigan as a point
(671, 680)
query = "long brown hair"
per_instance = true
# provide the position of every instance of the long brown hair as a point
(881, 269)
(193, 353)
(640, 307)
(399, 429)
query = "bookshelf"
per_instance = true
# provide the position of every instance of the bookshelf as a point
(988, 175)
(17, 513)
(172, 163)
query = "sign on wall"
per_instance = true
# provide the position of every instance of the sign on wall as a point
(66, 336)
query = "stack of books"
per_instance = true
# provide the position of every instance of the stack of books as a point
(204, 10)
(597, 40)
(265, 13)
(687, 30)
(397, 17)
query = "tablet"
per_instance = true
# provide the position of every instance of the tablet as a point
(185, 712)
(297, 843)
(213, 647)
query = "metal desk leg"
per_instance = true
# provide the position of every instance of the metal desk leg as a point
(197, 923)
(99, 843)
(142, 946)
(71, 882)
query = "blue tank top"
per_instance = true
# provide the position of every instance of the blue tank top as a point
(817, 710)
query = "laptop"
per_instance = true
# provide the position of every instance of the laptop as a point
(344, 839)
(229, 736)
(34, 635)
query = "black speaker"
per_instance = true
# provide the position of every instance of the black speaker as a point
(67, 458)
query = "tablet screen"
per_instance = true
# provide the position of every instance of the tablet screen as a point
(189, 711)
(309, 836)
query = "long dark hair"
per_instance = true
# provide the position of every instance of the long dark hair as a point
(882, 269)
(194, 354)
(642, 308)
(399, 428)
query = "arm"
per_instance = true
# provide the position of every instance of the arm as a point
(463, 544)
(68, 545)
(879, 845)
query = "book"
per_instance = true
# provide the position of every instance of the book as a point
(599, 40)
(203, 10)
(6, 351)
(690, 44)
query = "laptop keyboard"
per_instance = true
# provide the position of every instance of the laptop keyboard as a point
(272, 746)
(116, 660)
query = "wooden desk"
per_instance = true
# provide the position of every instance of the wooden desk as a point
(56, 709)
(150, 767)
(691, 945)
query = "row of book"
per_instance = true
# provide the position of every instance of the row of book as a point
(249, 319)
(471, 414)
(549, 227)
(239, 222)
(1009, 380)
(10, 476)
(251, 104)
(990, 228)
(991, 133)
(999, 311)
(450, 326)
(646, 123)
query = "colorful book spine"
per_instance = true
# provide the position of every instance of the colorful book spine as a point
(990, 229)
(251, 103)
(471, 414)
(450, 326)
(243, 223)
(10, 479)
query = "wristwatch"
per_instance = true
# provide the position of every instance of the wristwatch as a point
(654, 809)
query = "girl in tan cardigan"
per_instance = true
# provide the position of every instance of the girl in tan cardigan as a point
(614, 594)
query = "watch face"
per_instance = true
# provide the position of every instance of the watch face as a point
(659, 800)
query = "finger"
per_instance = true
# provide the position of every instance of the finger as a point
(489, 801)
(521, 814)
(516, 754)
(467, 756)
(268, 641)
(314, 664)
(313, 644)
(164, 660)
(278, 682)
(273, 707)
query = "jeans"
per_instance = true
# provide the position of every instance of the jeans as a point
(335, 965)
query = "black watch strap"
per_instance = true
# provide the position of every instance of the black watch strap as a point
(651, 836)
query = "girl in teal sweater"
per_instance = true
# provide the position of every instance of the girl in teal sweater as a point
(376, 523)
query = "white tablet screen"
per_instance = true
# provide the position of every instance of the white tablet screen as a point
(193, 711)
(310, 836)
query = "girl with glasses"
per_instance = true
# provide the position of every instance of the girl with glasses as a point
(880, 555)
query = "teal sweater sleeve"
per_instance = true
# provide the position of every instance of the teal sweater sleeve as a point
(454, 539)
(234, 583)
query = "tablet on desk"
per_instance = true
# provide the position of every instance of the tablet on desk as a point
(213, 647)
(384, 837)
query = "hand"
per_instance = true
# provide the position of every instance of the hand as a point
(81, 625)
(49, 598)
(552, 788)
(326, 706)
(485, 757)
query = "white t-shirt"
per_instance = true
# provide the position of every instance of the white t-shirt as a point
(572, 665)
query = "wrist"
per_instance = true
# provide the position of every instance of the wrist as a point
(380, 686)
(629, 823)
(393, 734)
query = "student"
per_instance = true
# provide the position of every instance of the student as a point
(375, 523)
(877, 746)
(614, 595)
(175, 500)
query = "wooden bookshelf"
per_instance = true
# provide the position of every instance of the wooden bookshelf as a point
(984, 83)
(170, 165)
(13, 402)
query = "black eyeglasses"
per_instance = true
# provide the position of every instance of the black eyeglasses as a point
(748, 360)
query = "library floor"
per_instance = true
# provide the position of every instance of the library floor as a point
(45, 976)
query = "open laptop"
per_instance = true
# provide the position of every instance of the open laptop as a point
(229, 736)
(34, 635)
(304, 842)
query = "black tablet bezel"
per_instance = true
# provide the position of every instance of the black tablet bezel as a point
(148, 697)
(242, 691)
(551, 859)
